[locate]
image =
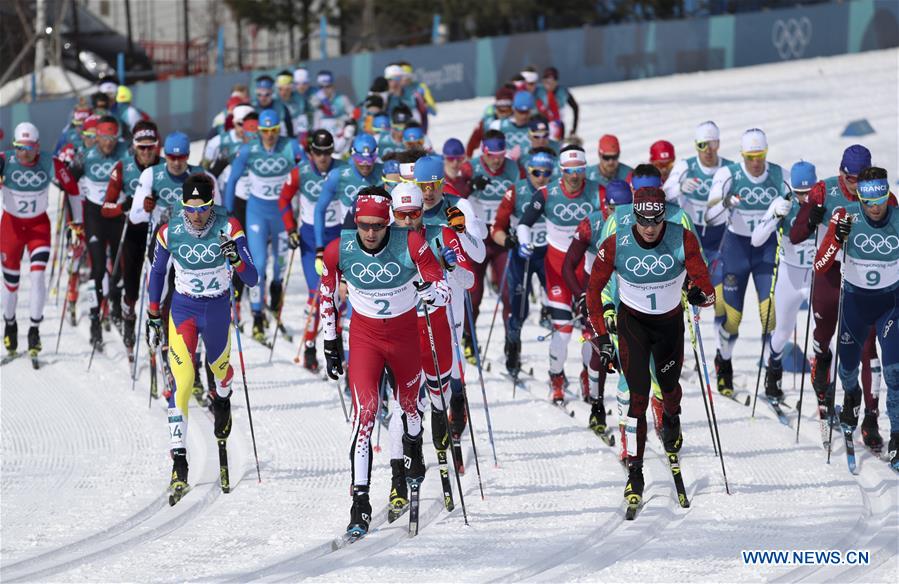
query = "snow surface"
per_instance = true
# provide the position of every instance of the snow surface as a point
(85, 464)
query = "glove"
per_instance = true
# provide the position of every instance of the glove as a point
(293, 240)
(603, 346)
(75, 230)
(229, 250)
(815, 216)
(844, 226)
(456, 219)
(730, 201)
(690, 186)
(319, 260)
(696, 296)
(154, 331)
(818, 193)
(511, 241)
(580, 305)
(611, 317)
(480, 182)
(426, 291)
(525, 251)
(149, 204)
(334, 358)
(110, 210)
(782, 207)
(450, 259)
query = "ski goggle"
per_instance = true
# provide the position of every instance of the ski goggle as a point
(27, 146)
(649, 221)
(574, 169)
(758, 155)
(194, 209)
(271, 129)
(363, 160)
(431, 185)
(364, 226)
(403, 215)
(609, 157)
(540, 172)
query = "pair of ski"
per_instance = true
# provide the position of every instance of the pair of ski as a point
(355, 532)
(177, 492)
(776, 405)
(635, 502)
(742, 398)
(35, 363)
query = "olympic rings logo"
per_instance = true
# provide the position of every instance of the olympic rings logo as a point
(169, 194)
(876, 243)
(270, 165)
(572, 211)
(350, 191)
(133, 184)
(790, 37)
(102, 169)
(199, 253)
(643, 266)
(496, 189)
(756, 195)
(29, 178)
(370, 273)
(313, 188)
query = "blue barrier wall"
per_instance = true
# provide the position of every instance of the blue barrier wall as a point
(584, 56)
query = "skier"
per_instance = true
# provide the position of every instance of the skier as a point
(551, 101)
(393, 141)
(825, 197)
(793, 271)
(93, 174)
(515, 203)
(516, 127)
(492, 175)
(25, 175)
(204, 245)
(500, 108)
(296, 121)
(267, 161)
(456, 168)
(379, 265)
(661, 155)
(307, 179)
(564, 203)
(123, 183)
(330, 110)
(867, 232)
(651, 260)
(689, 183)
(609, 166)
(744, 190)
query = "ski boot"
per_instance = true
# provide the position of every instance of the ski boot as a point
(275, 296)
(457, 414)
(512, 351)
(849, 414)
(128, 321)
(725, 371)
(34, 343)
(672, 438)
(773, 375)
(585, 385)
(199, 392)
(360, 512)
(871, 432)
(115, 313)
(468, 349)
(441, 438)
(597, 421)
(893, 451)
(399, 494)
(821, 372)
(413, 459)
(178, 486)
(310, 359)
(96, 331)
(221, 411)
(633, 490)
(557, 387)
(11, 336)
(258, 327)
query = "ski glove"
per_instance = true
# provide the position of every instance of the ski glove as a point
(844, 226)
(110, 210)
(815, 216)
(319, 260)
(450, 259)
(149, 204)
(611, 317)
(334, 358)
(690, 185)
(426, 291)
(525, 251)
(293, 240)
(480, 182)
(154, 331)
(456, 219)
(696, 296)
(580, 306)
(603, 345)
(511, 241)
(229, 250)
(781, 207)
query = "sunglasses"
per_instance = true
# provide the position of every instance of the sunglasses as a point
(875, 202)
(850, 177)
(609, 157)
(146, 147)
(273, 129)
(663, 165)
(371, 226)
(431, 185)
(176, 157)
(755, 155)
(702, 146)
(107, 137)
(194, 209)
(322, 153)
(402, 215)
(539, 135)
(453, 158)
(25, 147)
(649, 221)
(363, 160)
(263, 94)
(539, 173)
(574, 170)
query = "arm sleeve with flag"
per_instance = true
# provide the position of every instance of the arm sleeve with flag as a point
(285, 200)
(328, 289)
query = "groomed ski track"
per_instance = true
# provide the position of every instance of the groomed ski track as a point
(84, 464)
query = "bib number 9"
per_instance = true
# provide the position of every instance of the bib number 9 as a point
(199, 287)
(873, 278)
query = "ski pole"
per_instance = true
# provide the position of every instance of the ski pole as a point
(474, 340)
(526, 280)
(502, 286)
(705, 401)
(145, 278)
(60, 212)
(766, 334)
(310, 313)
(808, 322)
(433, 347)
(836, 354)
(708, 387)
(243, 374)
(281, 304)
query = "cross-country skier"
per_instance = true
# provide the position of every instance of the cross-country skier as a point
(744, 190)
(25, 176)
(204, 245)
(307, 179)
(652, 260)
(551, 101)
(456, 168)
(867, 232)
(379, 264)
(609, 166)
(793, 272)
(499, 109)
(515, 128)
(296, 120)
(392, 141)
(564, 203)
(661, 155)
(331, 110)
